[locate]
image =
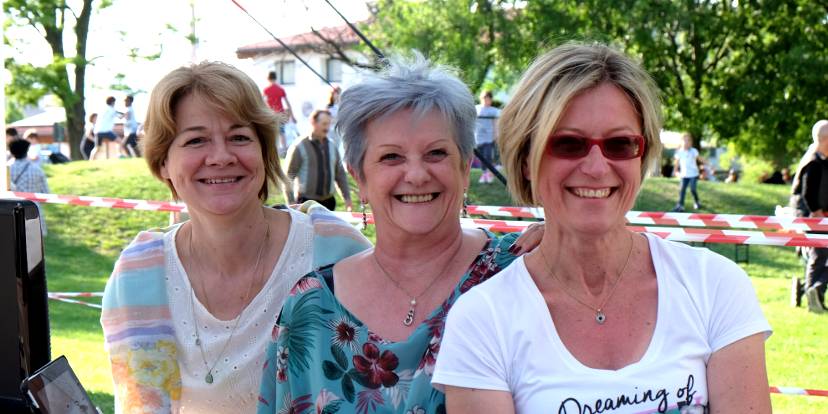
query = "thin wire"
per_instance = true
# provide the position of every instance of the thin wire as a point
(282, 43)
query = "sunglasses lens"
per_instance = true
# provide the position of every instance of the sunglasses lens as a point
(569, 147)
(621, 148)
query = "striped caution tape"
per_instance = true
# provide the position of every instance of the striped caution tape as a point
(690, 234)
(798, 391)
(76, 302)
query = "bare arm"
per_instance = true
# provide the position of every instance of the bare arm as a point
(737, 379)
(294, 163)
(475, 401)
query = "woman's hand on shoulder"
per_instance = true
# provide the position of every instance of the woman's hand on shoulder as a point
(528, 240)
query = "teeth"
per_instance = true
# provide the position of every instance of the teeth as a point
(590, 193)
(416, 198)
(219, 180)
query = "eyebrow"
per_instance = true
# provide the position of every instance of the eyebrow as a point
(199, 128)
(579, 131)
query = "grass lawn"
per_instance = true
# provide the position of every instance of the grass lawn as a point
(83, 244)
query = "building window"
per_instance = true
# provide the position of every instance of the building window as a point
(285, 71)
(333, 70)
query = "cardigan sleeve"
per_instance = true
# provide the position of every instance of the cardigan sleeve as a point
(138, 330)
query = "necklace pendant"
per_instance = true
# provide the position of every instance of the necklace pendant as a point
(409, 318)
(209, 377)
(600, 317)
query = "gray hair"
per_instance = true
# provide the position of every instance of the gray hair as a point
(406, 83)
(815, 131)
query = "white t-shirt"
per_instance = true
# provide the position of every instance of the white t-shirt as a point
(500, 336)
(687, 162)
(106, 121)
(237, 374)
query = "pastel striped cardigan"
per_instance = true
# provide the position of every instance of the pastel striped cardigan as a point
(136, 320)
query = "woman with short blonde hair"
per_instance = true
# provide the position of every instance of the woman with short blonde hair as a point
(599, 318)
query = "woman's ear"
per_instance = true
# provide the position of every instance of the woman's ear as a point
(163, 170)
(527, 174)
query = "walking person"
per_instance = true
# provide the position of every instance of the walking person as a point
(485, 133)
(315, 164)
(809, 197)
(130, 129)
(687, 169)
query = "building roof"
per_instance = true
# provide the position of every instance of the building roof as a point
(341, 35)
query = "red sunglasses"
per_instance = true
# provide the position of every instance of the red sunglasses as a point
(617, 147)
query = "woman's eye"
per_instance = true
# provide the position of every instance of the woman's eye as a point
(390, 157)
(241, 138)
(193, 141)
(437, 154)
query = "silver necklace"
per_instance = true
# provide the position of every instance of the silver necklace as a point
(412, 304)
(209, 377)
(600, 317)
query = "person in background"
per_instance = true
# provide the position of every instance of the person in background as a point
(130, 129)
(809, 198)
(687, 169)
(485, 133)
(26, 175)
(35, 148)
(105, 129)
(188, 310)
(315, 163)
(333, 108)
(88, 140)
(599, 318)
(12, 134)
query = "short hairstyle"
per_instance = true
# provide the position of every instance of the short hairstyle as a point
(271, 75)
(818, 127)
(541, 98)
(93, 117)
(11, 131)
(405, 83)
(110, 100)
(316, 112)
(19, 148)
(486, 94)
(129, 98)
(228, 90)
(31, 133)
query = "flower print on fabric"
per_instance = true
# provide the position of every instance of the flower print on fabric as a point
(336, 364)
(378, 369)
(343, 333)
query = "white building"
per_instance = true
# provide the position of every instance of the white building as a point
(305, 90)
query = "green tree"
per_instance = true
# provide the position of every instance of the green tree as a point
(461, 33)
(29, 83)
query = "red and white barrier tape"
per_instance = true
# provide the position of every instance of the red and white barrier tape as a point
(77, 302)
(667, 233)
(107, 202)
(798, 391)
(503, 226)
(740, 221)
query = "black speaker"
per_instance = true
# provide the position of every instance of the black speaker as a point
(24, 315)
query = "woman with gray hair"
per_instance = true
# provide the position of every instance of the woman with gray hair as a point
(599, 318)
(363, 335)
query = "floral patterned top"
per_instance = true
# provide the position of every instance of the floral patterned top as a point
(324, 360)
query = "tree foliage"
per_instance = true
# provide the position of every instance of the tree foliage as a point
(30, 83)
(747, 72)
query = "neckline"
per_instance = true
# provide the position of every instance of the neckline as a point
(271, 279)
(551, 331)
(490, 242)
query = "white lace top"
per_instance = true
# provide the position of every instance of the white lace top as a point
(237, 375)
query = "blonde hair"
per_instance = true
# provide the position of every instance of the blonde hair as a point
(541, 98)
(228, 90)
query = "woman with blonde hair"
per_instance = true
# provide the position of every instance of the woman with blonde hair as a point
(599, 318)
(188, 310)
